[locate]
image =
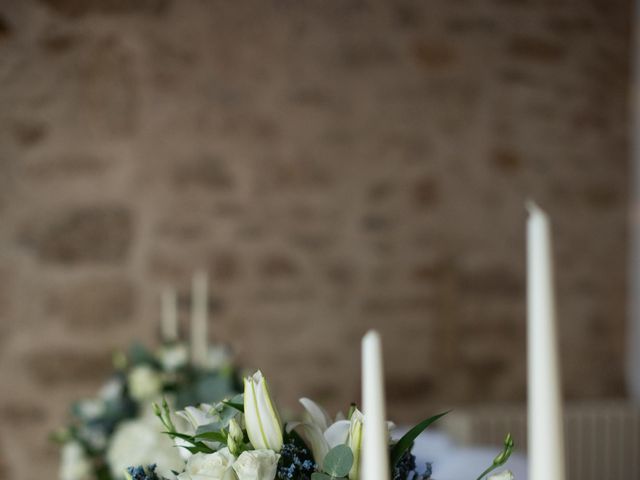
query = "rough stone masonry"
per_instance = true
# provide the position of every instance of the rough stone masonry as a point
(334, 166)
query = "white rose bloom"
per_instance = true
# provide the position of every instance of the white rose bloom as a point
(503, 475)
(111, 390)
(74, 464)
(144, 383)
(209, 466)
(94, 436)
(218, 356)
(140, 442)
(257, 465)
(91, 408)
(173, 357)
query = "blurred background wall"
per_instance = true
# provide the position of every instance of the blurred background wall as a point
(334, 166)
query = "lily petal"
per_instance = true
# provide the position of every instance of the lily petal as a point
(316, 414)
(337, 433)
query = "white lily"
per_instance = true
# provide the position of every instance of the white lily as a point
(198, 416)
(355, 442)
(263, 423)
(323, 435)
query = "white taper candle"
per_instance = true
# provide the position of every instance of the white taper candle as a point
(375, 442)
(545, 420)
(199, 318)
(169, 315)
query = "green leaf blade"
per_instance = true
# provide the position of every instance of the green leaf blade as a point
(407, 440)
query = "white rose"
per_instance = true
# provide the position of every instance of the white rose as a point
(91, 409)
(257, 465)
(174, 357)
(209, 466)
(140, 442)
(74, 464)
(503, 475)
(218, 356)
(144, 383)
(111, 390)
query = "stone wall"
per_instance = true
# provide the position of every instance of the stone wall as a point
(334, 165)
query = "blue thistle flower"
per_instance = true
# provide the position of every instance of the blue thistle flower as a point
(140, 473)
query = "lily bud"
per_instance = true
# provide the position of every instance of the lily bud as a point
(355, 442)
(264, 426)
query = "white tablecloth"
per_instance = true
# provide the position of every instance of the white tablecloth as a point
(455, 462)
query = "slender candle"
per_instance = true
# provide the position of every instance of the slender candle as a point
(545, 424)
(199, 317)
(169, 316)
(375, 444)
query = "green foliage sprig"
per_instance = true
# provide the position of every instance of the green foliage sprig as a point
(501, 458)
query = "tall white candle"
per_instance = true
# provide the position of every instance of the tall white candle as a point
(169, 315)
(199, 318)
(545, 424)
(375, 446)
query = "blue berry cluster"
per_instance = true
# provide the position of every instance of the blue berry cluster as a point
(406, 469)
(296, 463)
(141, 473)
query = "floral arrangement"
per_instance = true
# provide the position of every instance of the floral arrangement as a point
(117, 428)
(244, 438)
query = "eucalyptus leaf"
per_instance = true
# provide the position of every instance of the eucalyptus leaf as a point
(407, 440)
(338, 461)
(138, 354)
(213, 387)
(226, 412)
(320, 476)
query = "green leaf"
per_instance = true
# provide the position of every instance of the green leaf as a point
(237, 406)
(212, 437)
(407, 440)
(139, 354)
(320, 476)
(209, 427)
(338, 461)
(188, 438)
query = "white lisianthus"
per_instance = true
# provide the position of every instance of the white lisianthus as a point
(74, 464)
(140, 442)
(209, 466)
(263, 423)
(144, 383)
(257, 465)
(503, 475)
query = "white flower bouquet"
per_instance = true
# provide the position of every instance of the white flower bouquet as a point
(117, 428)
(244, 438)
